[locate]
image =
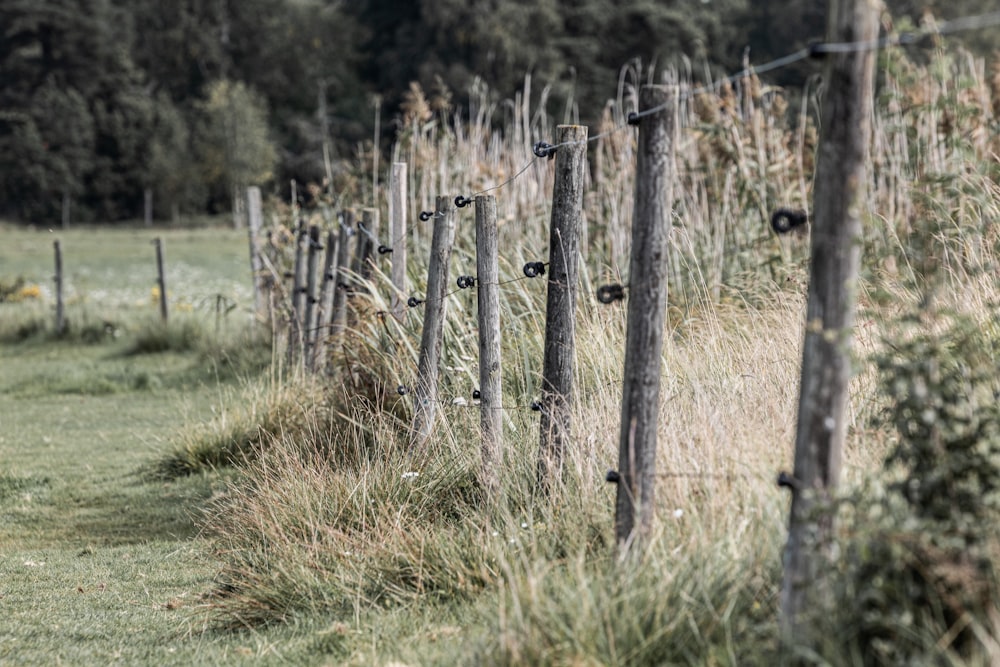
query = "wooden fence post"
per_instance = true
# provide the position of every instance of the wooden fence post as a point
(296, 328)
(397, 237)
(311, 295)
(147, 207)
(60, 308)
(255, 219)
(367, 243)
(162, 280)
(560, 310)
(488, 294)
(647, 305)
(826, 359)
(325, 301)
(342, 283)
(432, 337)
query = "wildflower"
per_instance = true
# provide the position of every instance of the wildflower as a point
(410, 475)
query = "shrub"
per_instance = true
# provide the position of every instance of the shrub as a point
(920, 582)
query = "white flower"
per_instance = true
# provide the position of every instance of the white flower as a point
(524, 524)
(678, 513)
(410, 475)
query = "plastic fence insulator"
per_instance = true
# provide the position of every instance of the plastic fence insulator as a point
(784, 220)
(532, 269)
(610, 293)
(542, 149)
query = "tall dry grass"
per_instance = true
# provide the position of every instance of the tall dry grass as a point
(335, 517)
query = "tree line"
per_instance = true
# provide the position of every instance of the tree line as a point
(104, 101)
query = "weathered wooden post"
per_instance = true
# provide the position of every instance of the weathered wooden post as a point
(490, 386)
(560, 310)
(147, 207)
(162, 279)
(255, 219)
(60, 311)
(647, 306)
(296, 328)
(826, 355)
(367, 243)
(432, 336)
(397, 237)
(312, 294)
(341, 280)
(325, 301)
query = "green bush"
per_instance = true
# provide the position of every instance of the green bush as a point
(920, 582)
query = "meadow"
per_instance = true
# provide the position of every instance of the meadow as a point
(286, 519)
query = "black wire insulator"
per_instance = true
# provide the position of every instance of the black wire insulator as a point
(426, 215)
(612, 477)
(536, 406)
(817, 50)
(462, 202)
(784, 220)
(785, 480)
(532, 269)
(476, 395)
(466, 281)
(402, 390)
(413, 302)
(384, 250)
(610, 293)
(542, 149)
(633, 119)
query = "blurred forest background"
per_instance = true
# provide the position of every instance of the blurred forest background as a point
(102, 101)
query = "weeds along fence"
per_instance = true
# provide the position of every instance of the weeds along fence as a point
(734, 220)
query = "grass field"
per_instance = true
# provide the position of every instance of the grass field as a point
(128, 536)
(99, 562)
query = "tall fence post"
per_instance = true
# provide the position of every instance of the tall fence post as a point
(342, 284)
(488, 295)
(826, 354)
(560, 310)
(296, 328)
(312, 294)
(161, 279)
(147, 207)
(397, 237)
(60, 308)
(647, 305)
(432, 336)
(325, 302)
(367, 242)
(255, 219)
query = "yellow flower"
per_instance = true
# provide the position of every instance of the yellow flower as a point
(27, 292)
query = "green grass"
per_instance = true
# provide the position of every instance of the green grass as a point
(99, 562)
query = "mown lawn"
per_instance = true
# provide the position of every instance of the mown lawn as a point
(101, 563)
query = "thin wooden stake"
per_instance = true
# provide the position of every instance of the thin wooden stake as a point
(342, 281)
(397, 237)
(560, 311)
(490, 386)
(312, 294)
(325, 301)
(647, 306)
(826, 355)
(60, 308)
(162, 280)
(425, 392)
(296, 328)
(255, 218)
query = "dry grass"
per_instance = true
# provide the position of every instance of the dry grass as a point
(330, 518)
